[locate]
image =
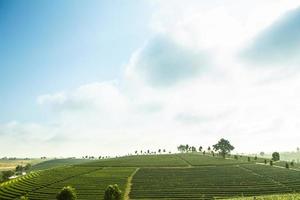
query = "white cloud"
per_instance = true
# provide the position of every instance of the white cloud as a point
(251, 107)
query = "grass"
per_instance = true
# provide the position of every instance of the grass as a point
(166, 160)
(58, 163)
(11, 164)
(272, 197)
(212, 182)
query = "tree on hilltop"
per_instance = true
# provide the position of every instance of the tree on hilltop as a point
(275, 156)
(223, 147)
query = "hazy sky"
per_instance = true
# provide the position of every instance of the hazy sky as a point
(110, 77)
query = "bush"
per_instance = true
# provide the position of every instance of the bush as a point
(67, 193)
(249, 159)
(271, 162)
(265, 161)
(112, 192)
(287, 165)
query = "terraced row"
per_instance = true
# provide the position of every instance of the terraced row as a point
(90, 182)
(211, 182)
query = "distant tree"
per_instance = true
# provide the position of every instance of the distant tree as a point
(27, 167)
(262, 153)
(112, 192)
(236, 157)
(275, 156)
(136, 152)
(223, 147)
(265, 161)
(148, 151)
(7, 174)
(67, 193)
(187, 147)
(164, 150)
(255, 158)
(193, 149)
(208, 149)
(249, 159)
(287, 165)
(292, 163)
(181, 148)
(19, 168)
(213, 154)
(159, 150)
(203, 152)
(298, 149)
(200, 148)
(271, 162)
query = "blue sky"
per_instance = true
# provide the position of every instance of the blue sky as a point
(110, 77)
(47, 46)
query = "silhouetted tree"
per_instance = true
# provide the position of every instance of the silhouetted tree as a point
(67, 193)
(200, 148)
(275, 156)
(223, 147)
(287, 165)
(112, 192)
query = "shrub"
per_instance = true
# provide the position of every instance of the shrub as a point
(287, 165)
(7, 174)
(112, 192)
(67, 193)
(265, 161)
(271, 162)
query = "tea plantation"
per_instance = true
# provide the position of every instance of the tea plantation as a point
(173, 176)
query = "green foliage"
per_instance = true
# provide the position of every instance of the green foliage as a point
(223, 146)
(287, 165)
(23, 198)
(67, 193)
(7, 174)
(112, 192)
(271, 162)
(275, 156)
(249, 159)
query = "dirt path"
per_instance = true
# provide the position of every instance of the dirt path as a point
(129, 184)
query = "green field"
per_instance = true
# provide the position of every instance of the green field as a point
(173, 176)
(57, 163)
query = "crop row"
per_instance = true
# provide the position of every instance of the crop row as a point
(88, 181)
(209, 182)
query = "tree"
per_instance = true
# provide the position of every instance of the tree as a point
(67, 193)
(19, 168)
(262, 153)
(255, 158)
(271, 162)
(208, 149)
(7, 174)
(27, 167)
(159, 150)
(181, 148)
(275, 156)
(223, 147)
(112, 192)
(265, 161)
(287, 165)
(249, 159)
(200, 148)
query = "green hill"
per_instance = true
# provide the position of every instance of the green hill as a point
(172, 176)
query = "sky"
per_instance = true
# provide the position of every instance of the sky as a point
(108, 77)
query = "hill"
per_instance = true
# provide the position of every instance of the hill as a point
(172, 176)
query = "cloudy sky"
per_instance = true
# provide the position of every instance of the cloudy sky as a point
(110, 77)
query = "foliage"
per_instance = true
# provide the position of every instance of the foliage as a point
(223, 147)
(7, 174)
(112, 192)
(275, 156)
(67, 193)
